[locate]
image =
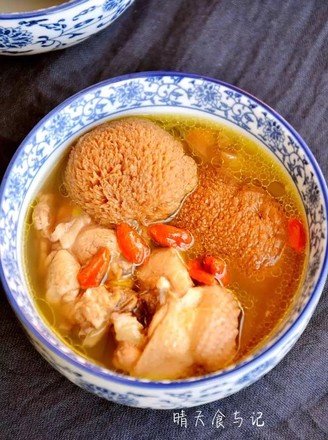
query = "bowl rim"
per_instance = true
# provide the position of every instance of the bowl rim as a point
(182, 383)
(69, 4)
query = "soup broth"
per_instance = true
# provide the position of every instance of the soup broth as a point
(27, 5)
(264, 296)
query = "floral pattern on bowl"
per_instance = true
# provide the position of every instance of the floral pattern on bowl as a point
(57, 27)
(151, 93)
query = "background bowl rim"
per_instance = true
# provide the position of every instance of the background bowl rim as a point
(42, 11)
(244, 365)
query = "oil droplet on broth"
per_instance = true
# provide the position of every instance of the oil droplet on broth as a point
(231, 160)
(276, 272)
(276, 189)
(217, 161)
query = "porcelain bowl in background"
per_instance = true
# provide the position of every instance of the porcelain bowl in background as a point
(57, 27)
(159, 93)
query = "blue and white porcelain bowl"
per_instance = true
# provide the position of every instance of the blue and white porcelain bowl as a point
(57, 27)
(154, 93)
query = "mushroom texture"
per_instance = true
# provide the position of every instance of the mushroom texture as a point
(234, 220)
(129, 169)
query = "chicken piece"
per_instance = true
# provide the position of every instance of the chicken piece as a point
(67, 232)
(43, 252)
(129, 169)
(93, 309)
(167, 354)
(159, 316)
(197, 331)
(62, 273)
(229, 219)
(50, 256)
(126, 356)
(164, 263)
(128, 329)
(130, 337)
(91, 238)
(43, 216)
(214, 336)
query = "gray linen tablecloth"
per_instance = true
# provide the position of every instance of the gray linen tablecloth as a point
(276, 50)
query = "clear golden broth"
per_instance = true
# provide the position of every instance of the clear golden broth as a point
(265, 298)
